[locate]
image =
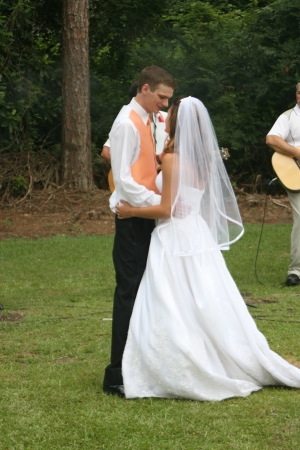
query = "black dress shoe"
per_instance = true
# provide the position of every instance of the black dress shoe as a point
(115, 390)
(292, 280)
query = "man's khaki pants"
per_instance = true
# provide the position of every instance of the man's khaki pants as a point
(294, 267)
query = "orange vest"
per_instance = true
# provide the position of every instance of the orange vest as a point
(143, 170)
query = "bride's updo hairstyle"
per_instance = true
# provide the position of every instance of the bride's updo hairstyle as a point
(173, 112)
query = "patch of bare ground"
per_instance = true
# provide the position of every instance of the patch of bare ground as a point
(292, 360)
(15, 317)
(44, 214)
(252, 208)
(248, 299)
(60, 211)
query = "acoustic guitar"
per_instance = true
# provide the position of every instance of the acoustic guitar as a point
(287, 169)
(224, 154)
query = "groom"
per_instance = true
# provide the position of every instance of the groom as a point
(134, 168)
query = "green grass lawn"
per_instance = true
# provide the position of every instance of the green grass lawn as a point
(52, 359)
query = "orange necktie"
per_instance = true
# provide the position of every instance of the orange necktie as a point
(149, 130)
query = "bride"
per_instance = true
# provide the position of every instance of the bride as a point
(190, 333)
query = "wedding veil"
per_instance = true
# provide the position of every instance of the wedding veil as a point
(202, 194)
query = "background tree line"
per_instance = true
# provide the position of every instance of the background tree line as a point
(239, 57)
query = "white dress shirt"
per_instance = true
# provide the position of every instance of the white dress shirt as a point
(160, 132)
(124, 150)
(287, 126)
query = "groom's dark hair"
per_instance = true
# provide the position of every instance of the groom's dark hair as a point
(133, 90)
(155, 75)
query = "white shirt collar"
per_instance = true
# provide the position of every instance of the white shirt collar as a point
(140, 110)
(297, 110)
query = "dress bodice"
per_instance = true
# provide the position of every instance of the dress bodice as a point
(192, 195)
(158, 181)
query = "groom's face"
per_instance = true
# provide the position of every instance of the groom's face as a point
(157, 99)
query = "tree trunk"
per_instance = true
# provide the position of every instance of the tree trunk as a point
(76, 126)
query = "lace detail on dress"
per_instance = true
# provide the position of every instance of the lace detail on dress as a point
(164, 371)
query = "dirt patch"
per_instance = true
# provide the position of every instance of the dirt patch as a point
(248, 299)
(292, 360)
(45, 213)
(16, 317)
(276, 209)
(63, 212)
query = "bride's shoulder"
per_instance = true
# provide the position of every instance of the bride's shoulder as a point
(168, 158)
(167, 164)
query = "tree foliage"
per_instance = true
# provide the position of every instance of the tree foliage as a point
(239, 57)
(30, 76)
(241, 62)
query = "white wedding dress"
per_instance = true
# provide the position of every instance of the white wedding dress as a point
(191, 335)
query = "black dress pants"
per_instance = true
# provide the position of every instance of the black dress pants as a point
(130, 252)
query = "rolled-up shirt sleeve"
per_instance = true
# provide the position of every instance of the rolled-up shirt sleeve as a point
(125, 148)
(280, 128)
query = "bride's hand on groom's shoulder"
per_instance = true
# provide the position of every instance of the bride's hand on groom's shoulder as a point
(124, 210)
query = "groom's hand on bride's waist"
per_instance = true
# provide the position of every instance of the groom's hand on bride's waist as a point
(124, 210)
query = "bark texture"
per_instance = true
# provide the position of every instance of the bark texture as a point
(76, 129)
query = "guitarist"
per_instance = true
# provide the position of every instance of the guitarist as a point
(284, 138)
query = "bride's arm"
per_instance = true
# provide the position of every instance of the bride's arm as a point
(161, 211)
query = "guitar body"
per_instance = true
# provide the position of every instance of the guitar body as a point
(287, 169)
